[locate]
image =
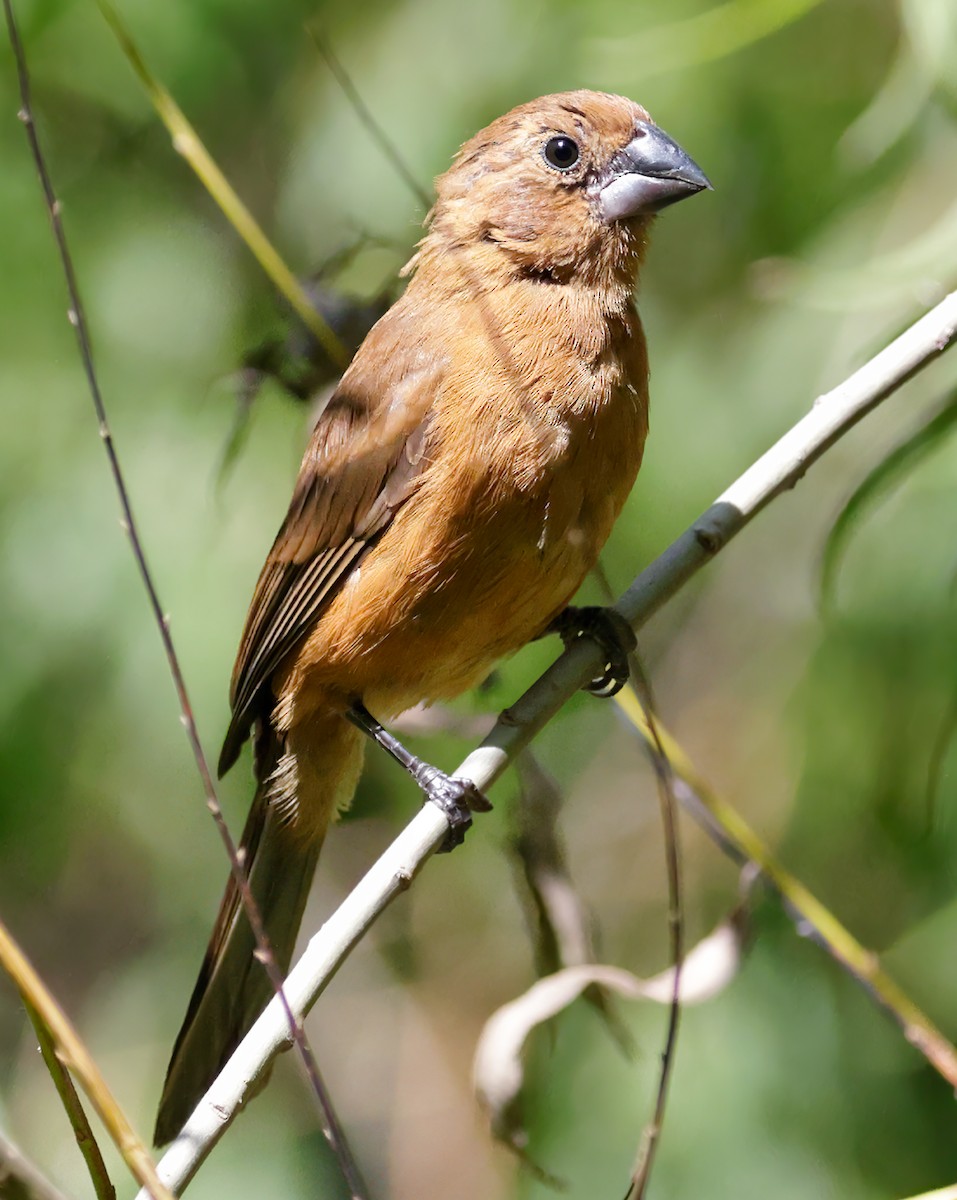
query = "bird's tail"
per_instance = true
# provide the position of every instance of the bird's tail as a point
(233, 988)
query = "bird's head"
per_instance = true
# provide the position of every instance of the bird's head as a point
(563, 187)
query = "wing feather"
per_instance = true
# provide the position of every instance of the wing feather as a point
(364, 460)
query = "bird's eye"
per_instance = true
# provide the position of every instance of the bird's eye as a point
(561, 152)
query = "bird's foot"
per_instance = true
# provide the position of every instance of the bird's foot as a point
(457, 798)
(613, 635)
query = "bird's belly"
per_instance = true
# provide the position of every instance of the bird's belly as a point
(439, 601)
(489, 549)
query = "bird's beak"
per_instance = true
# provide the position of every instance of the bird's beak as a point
(651, 172)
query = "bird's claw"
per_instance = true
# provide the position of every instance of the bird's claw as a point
(614, 637)
(457, 798)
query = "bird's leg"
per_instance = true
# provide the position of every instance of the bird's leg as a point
(457, 798)
(614, 636)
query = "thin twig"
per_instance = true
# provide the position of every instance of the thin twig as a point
(331, 1126)
(16, 1168)
(79, 1061)
(362, 111)
(188, 144)
(725, 826)
(781, 467)
(668, 803)
(72, 1106)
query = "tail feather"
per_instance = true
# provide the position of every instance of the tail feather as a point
(233, 988)
(306, 777)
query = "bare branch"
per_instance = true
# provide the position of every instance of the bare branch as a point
(781, 467)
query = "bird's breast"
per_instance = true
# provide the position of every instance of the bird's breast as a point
(528, 469)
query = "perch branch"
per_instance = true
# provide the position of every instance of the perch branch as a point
(779, 468)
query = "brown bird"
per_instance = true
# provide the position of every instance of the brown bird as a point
(457, 488)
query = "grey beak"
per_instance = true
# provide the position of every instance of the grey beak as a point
(650, 173)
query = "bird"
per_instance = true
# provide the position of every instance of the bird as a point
(458, 485)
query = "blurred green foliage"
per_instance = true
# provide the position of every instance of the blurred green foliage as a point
(829, 131)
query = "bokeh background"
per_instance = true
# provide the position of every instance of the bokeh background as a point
(829, 128)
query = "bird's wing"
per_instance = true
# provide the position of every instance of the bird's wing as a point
(366, 455)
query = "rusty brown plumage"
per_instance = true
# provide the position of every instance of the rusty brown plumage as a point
(457, 487)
